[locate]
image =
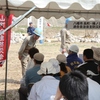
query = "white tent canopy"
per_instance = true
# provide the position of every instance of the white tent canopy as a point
(57, 8)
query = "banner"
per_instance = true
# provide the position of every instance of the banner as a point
(3, 37)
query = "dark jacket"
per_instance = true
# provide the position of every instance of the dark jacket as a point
(91, 66)
(30, 30)
(73, 61)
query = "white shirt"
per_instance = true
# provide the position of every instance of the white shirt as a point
(44, 89)
(94, 90)
(30, 64)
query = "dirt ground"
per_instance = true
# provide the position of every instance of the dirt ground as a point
(50, 50)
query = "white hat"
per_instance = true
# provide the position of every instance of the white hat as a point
(47, 68)
(61, 58)
(74, 48)
(96, 53)
(55, 64)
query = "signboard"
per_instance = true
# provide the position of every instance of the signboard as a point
(83, 25)
(3, 37)
(40, 23)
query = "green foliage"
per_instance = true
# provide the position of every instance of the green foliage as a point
(1, 97)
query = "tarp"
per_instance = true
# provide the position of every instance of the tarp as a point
(57, 8)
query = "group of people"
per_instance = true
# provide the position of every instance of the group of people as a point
(59, 78)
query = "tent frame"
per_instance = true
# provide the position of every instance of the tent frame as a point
(7, 13)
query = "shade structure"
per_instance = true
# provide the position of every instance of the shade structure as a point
(56, 8)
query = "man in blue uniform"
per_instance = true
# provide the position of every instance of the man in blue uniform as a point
(30, 29)
(72, 59)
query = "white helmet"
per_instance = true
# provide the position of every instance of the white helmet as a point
(74, 48)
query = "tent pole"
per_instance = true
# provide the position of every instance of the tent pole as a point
(7, 15)
(18, 20)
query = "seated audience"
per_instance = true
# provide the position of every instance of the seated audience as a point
(62, 63)
(31, 75)
(90, 66)
(73, 86)
(47, 86)
(55, 64)
(72, 59)
(96, 57)
(94, 87)
(31, 53)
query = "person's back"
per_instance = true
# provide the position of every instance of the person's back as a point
(47, 86)
(31, 53)
(94, 87)
(74, 86)
(94, 90)
(62, 63)
(90, 66)
(31, 74)
(72, 59)
(55, 64)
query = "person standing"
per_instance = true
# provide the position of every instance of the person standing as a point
(27, 44)
(65, 37)
(30, 29)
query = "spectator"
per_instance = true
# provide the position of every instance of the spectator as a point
(96, 56)
(47, 86)
(94, 87)
(72, 59)
(27, 44)
(73, 86)
(31, 53)
(65, 37)
(55, 64)
(31, 75)
(90, 66)
(30, 29)
(30, 64)
(62, 63)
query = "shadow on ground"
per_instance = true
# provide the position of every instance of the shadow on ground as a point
(11, 95)
(10, 81)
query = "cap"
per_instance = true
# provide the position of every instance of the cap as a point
(74, 48)
(39, 57)
(37, 31)
(61, 58)
(30, 23)
(67, 20)
(55, 64)
(96, 53)
(46, 68)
